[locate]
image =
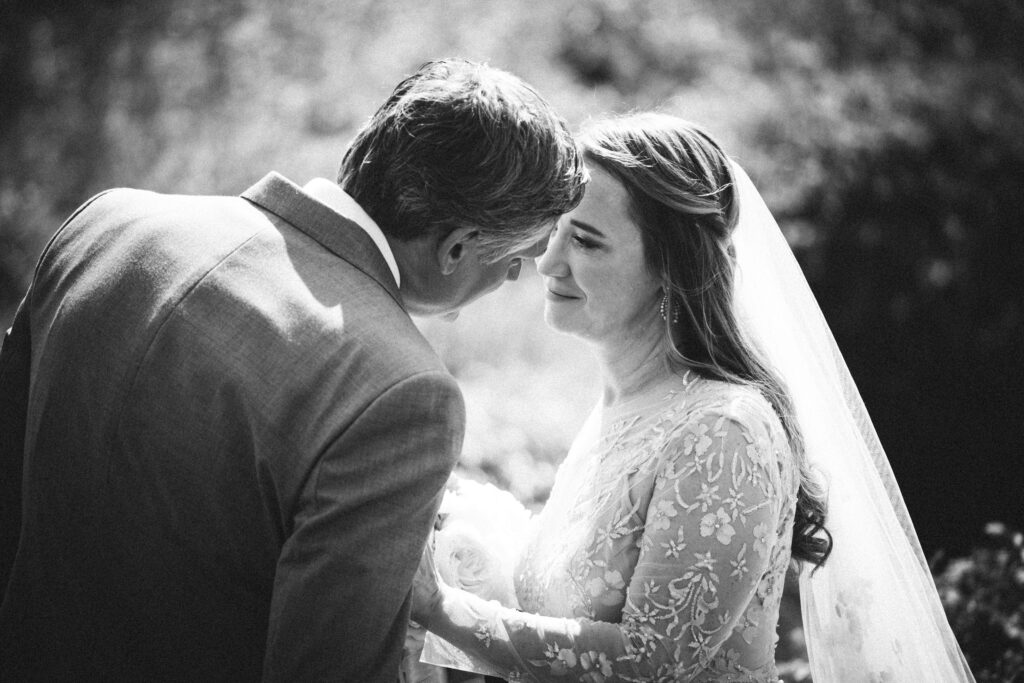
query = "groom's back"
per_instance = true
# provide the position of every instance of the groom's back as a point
(192, 357)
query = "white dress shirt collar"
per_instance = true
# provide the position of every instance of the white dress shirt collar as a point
(341, 202)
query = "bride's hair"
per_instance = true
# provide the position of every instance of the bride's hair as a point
(683, 200)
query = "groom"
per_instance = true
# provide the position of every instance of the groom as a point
(222, 439)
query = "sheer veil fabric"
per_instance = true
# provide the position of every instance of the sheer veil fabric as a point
(872, 612)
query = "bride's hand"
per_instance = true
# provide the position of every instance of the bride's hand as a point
(427, 594)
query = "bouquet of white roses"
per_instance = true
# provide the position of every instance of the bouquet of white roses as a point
(481, 532)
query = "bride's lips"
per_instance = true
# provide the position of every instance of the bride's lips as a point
(552, 295)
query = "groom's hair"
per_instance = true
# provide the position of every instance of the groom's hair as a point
(460, 144)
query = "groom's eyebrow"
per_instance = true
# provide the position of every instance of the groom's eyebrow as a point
(586, 226)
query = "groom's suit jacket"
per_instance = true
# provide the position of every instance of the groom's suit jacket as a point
(228, 441)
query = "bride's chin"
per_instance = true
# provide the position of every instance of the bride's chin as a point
(554, 320)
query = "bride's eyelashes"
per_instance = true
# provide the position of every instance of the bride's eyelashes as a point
(586, 236)
(584, 242)
(579, 238)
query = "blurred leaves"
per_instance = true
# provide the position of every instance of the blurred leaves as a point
(983, 595)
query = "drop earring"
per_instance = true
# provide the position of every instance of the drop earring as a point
(664, 309)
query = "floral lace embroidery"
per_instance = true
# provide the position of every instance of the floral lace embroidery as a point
(669, 556)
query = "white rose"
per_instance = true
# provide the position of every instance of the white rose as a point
(482, 530)
(464, 561)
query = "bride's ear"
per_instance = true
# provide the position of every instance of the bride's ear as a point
(454, 247)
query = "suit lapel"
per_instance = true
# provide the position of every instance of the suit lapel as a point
(334, 232)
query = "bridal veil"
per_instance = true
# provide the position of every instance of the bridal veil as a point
(871, 613)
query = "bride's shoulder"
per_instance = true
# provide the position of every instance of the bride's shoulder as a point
(742, 404)
(723, 422)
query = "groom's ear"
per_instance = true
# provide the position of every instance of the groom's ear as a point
(453, 248)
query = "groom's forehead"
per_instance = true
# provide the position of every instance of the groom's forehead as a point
(532, 243)
(540, 244)
(537, 248)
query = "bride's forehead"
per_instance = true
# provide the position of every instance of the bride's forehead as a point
(604, 196)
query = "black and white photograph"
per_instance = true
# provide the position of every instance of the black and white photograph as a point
(550, 341)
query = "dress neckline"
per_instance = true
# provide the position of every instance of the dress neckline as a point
(666, 389)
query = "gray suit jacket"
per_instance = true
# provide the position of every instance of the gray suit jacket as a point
(228, 440)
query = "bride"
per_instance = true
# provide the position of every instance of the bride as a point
(729, 443)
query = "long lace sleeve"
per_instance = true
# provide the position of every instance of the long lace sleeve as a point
(704, 552)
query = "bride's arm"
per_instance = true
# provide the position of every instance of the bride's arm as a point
(709, 532)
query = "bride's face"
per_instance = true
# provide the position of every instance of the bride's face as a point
(598, 285)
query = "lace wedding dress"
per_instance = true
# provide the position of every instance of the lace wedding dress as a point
(661, 553)
(668, 532)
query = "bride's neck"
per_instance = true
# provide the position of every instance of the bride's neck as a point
(632, 365)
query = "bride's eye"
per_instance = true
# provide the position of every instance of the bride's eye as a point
(584, 242)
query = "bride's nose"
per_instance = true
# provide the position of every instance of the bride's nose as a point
(552, 262)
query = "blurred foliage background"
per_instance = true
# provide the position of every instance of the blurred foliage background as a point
(887, 136)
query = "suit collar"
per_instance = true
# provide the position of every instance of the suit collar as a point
(328, 192)
(339, 235)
